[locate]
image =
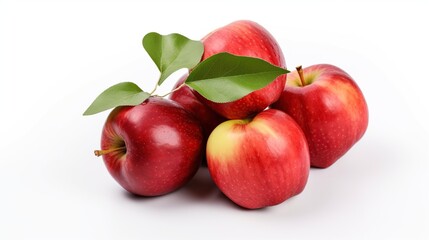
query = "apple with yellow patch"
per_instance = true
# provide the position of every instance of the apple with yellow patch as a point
(260, 161)
(330, 108)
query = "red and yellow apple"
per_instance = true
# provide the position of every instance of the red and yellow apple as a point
(330, 108)
(260, 161)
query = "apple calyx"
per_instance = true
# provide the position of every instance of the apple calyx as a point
(110, 150)
(301, 75)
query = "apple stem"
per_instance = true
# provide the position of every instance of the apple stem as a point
(106, 151)
(301, 75)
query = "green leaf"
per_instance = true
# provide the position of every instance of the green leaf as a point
(172, 52)
(121, 94)
(225, 77)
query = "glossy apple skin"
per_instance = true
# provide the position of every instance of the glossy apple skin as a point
(331, 110)
(163, 146)
(259, 162)
(246, 38)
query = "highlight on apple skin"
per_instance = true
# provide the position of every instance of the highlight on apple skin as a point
(153, 148)
(330, 108)
(259, 162)
(246, 38)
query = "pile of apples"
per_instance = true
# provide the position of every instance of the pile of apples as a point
(258, 149)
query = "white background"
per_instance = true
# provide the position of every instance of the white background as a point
(57, 56)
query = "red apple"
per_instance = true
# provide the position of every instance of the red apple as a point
(259, 162)
(330, 108)
(246, 38)
(152, 148)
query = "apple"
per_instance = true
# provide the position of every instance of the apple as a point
(188, 99)
(261, 161)
(246, 38)
(330, 108)
(153, 148)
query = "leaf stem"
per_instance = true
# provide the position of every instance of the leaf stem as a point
(154, 89)
(179, 87)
